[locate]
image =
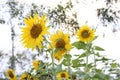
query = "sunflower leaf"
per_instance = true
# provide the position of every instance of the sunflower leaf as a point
(59, 68)
(65, 62)
(95, 38)
(98, 48)
(79, 45)
(76, 63)
(67, 56)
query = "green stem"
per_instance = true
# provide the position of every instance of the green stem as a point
(94, 60)
(69, 69)
(53, 64)
(86, 67)
(87, 52)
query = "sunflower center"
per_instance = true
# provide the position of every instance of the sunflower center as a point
(35, 30)
(63, 75)
(11, 75)
(85, 34)
(60, 43)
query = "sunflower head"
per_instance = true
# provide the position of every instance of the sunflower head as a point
(85, 34)
(36, 64)
(60, 43)
(33, 32)
(63, 75)
(11, 75)
(23, 76)
(27, 76)
(59, 40)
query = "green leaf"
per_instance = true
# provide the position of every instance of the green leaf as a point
(98, 48)
(98, 70)
(90, 65)
(113, 65)
(67, 56)
(82, 55)
(59, 68)
(76, 63)
(65, 62)
(67, 59)
(86, 77)
(79, 45)
(105, 59)
(97, 54)
(99, 76)
(95, 38)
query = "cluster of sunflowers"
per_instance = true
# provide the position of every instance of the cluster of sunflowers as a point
(34, 34)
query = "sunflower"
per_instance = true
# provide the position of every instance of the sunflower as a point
(11, 74)
(85, 34)
(36, 64)
(59, 55)
(23, 76)
(33, 32)
(63, 75)
(61, 43)
(27, 76)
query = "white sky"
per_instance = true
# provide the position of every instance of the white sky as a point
(5, 39)
(111, 42)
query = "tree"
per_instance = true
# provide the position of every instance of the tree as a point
(109, 13)
(14, 12)
(63, 17)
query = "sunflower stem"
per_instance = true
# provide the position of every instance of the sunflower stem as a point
(53, 64)
(94, 59)
(87, 55)
(86, 67)
(69, 69)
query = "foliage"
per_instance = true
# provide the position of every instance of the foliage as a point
(109, 13)
(59, 16)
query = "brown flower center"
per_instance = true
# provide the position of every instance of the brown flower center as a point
(35, 30)
(63, 75)
(85, 34)
(60, 43)
(11, 75)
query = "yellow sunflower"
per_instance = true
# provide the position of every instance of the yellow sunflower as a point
(61, 43)
(59, 55)
(33, 32)
(86, 33)
(63, 75)
(23, 76)
(27, 76)
(36, 64)
(11, 74)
